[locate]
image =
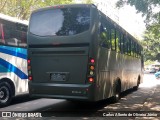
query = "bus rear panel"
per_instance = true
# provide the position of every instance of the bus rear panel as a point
(58, 53)
(77, 52)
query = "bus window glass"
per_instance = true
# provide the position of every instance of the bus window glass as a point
(125, 45)
(1, 34)
(14, 36)
(139, 51)
(113, 39)
(118, 41)
(21, 32)
(104, 34)
(134, 45)
(136, 55)
(60, 22)
(132, 48)
(129, 46)
(122, 42)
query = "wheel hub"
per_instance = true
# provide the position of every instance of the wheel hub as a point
(1, 94)
(4, 94)
(117, 95)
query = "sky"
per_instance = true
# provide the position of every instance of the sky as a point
(132, 21)
(125, 16)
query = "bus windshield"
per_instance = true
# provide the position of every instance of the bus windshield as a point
(60, 22)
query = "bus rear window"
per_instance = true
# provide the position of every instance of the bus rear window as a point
(60, 22)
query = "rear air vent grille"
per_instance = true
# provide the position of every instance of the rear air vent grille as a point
(60, 45)
(58, 52)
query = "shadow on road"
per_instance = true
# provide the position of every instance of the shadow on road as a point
(21, 99)
(77, 108)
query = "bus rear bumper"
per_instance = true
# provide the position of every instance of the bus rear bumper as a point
(81, 92)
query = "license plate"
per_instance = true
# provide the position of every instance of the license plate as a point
(58, 76)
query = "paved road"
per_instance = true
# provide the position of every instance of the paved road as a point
(141, 100)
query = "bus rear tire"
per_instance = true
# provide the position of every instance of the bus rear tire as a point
(116, 91)
(138, 82)
(5, 94)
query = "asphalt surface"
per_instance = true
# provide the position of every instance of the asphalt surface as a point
(141, 104)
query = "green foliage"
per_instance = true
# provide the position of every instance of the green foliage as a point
(149, 62)
(151, 40)
(22, 8)
(146, 7)
(87, 1)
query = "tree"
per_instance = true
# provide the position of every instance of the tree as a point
(147, 7)
(87, 1)
(152, 34)
(151, 42)
(23, 8)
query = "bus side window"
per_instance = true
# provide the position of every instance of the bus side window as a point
(10, 38)
(139, 51)
(129, 46)
(118, 43)
(135, 48)
(21, 32)
(113, 40)
(23, 38)
(132, 48)
(122, 43)
(12, 41)
(125, 47)
(104, 36)
(2, 41)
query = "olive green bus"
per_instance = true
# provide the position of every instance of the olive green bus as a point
(75, 52)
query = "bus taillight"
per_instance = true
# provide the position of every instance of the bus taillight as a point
(92, 60)
(29, 69)
(30, 77)
(28, 61)
(91, 80)
(91, 67)
(91, 70)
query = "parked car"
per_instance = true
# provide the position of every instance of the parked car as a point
(150, 70)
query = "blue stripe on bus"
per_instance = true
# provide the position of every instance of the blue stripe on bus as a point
(3, 69)
(16, 49)
(12, 68)
(18, 52)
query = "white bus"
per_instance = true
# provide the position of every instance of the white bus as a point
(13, 58)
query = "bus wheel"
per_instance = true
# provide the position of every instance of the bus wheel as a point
(5, 94)
(116, 91)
